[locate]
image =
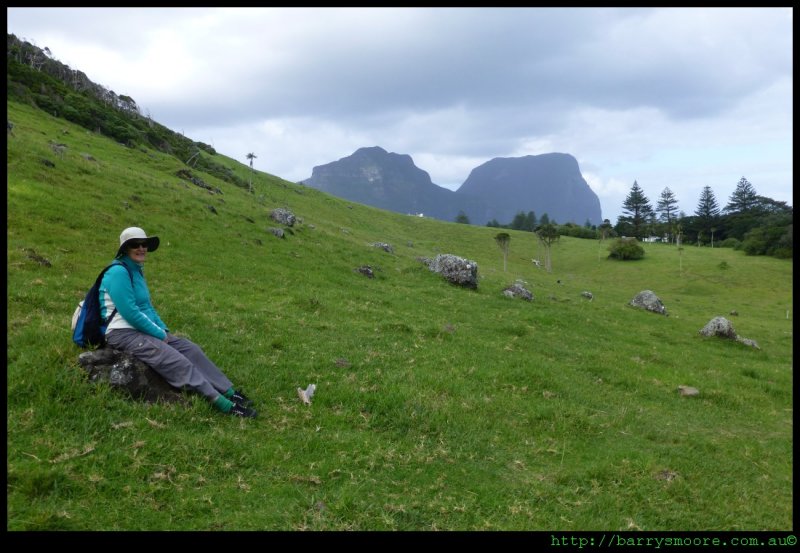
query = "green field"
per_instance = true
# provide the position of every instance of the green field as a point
(437, 407)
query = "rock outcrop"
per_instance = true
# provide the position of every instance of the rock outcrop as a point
(129, 375)
(646, 299)
(722, 328)
(457, 270)
(283, 216)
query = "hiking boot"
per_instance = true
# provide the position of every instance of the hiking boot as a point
(242, 411)
(241, 399)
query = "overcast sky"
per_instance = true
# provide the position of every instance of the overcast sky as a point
(668, 97)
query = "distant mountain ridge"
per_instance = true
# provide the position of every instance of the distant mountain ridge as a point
(391, 181)
(546, 183)
(497, 190)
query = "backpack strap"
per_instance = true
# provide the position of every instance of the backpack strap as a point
(108, 319)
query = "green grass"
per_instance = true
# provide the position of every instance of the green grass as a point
(437, 408)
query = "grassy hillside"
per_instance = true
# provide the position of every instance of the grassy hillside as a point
(436, 407)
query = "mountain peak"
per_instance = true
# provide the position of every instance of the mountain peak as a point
(546, 183)
(391, 181)
(499, 189)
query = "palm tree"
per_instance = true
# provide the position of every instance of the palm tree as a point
(251, 156)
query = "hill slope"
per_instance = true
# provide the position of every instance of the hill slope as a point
(436, 407)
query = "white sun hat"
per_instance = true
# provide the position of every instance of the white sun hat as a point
(135, 233)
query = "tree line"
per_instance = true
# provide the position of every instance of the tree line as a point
(36, 78)
(756, 224)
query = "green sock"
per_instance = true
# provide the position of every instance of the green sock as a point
(223, 404)
(229, 393)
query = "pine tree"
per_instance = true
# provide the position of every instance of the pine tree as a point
(743, 199)
(707, 212)
(707, 208)
(518, 223)
(530, 221)
(667, 207)
(638, 209)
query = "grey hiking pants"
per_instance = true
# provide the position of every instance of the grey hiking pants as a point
(179, 361)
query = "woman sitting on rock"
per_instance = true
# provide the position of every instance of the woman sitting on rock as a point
(137, 329)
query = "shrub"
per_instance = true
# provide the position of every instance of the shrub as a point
(626, 248)
(730, 243)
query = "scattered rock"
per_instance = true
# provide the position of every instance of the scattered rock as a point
(276, 231)
(688, 391)
(283, 216)
(666, 474)
(734, 313)
(185, 174)
(366, 270)
(588, 295)
(748, 342)
(646, 299)
(517, 290)
(722, 328)
(58, 148)
(385, 247)
(719, 326)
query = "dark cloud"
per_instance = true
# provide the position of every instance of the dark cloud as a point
(616, 87)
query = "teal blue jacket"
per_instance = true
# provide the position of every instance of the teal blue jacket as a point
(132, 301)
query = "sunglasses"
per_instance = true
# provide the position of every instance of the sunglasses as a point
(138, 244)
